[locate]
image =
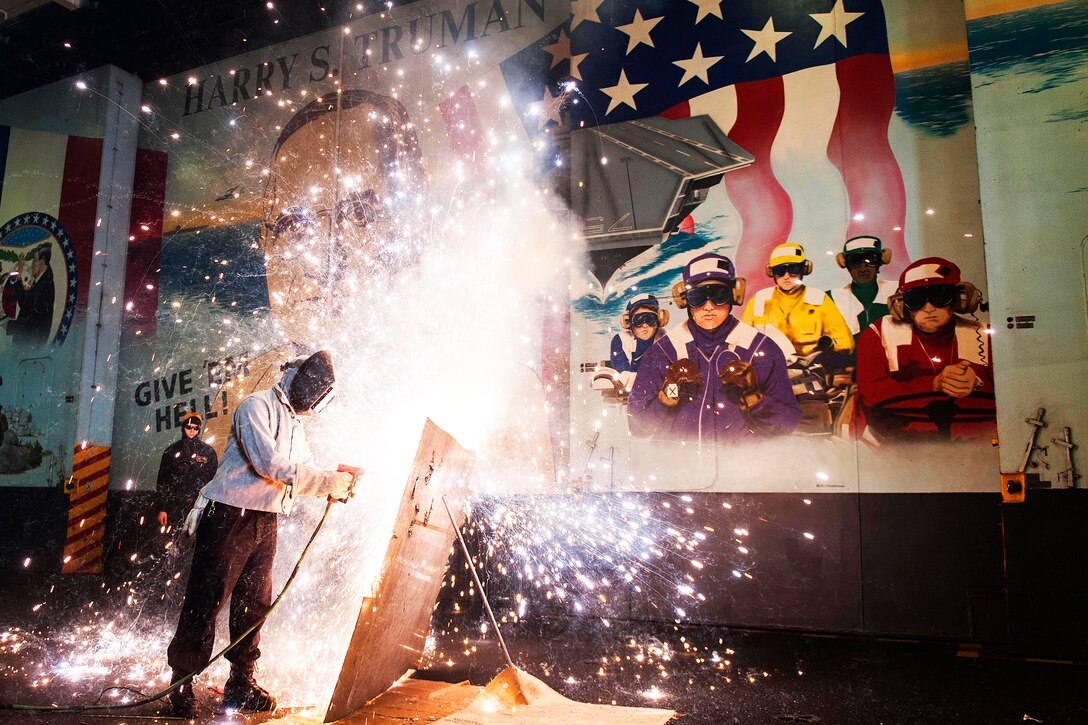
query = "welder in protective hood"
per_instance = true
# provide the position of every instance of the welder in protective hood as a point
(266, 464)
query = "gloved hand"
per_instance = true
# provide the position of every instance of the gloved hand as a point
(193, 519)
(682, 380)
(340, 486)
(958, 380)
(825, 343)
(740, 384)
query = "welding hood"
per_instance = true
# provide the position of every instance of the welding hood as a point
(311, 388)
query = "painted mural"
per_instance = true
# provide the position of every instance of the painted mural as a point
(819, 156)
(826, 143)
(834, 267)
(47, 201)
(371, 190)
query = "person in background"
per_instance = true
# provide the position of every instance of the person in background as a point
(805, 315)
(186, 465)
(266, 464)
(864, 299)
(924, 370)
(642, 321)
(712, 378)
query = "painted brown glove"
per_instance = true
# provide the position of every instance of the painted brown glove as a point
(740, 384)
(682, 380)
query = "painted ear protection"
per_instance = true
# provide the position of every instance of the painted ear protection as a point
(895, 307)
(662, 319)
(807, 263)
(885, 258)
(679, 293)
(968, 300)
(739, 286)
(678, 297)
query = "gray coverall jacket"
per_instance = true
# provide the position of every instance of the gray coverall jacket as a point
(267, 462)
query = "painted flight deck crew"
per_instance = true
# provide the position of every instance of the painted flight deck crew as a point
(643, 323)
(712, 378)
(806, 315)
(924, 370)
(267, 464)
(864, 299)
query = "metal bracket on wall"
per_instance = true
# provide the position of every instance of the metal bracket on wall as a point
(1037, 423)
(1014, 485)
(1067, 477)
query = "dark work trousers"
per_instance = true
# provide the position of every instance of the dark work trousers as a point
(232, 558)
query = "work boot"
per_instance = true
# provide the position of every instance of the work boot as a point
(243, 694)
(182, 700)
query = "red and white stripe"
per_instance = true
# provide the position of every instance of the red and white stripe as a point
(824, 169)
(57, 175)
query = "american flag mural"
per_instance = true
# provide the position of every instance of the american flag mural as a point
(804, 86)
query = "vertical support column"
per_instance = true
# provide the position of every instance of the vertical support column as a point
(98, 377)
(97, 393)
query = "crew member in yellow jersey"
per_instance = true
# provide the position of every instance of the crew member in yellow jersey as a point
(805, 315)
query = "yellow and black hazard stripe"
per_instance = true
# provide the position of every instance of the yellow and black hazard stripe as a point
(84, 545)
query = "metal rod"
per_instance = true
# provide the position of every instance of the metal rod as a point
(1036, 423)
(1067, 477)
(475, 578)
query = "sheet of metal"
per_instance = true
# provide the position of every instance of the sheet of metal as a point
(392, 627)
(415, 700)
(515, 697)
